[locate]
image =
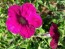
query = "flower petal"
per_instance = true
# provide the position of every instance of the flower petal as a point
(35, 20)
(27, 31)
(54, 31)
(11, 21)
(53, 44)
(27, 8)
(12, 26)
(14, 11)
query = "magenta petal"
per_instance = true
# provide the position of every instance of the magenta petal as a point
(55, 36)
(53, 44)
(54, 31)
(27, 8)
(27, 31)
(13, 11)
(35, 20)
(11, 22)
(12, 26)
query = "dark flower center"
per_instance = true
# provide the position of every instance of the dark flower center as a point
(22, 20)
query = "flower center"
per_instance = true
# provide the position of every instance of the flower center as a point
(22, 20)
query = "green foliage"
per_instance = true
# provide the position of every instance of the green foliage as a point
(9, 41)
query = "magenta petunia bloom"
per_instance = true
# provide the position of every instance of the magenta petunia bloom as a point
(55, 36)
(23, 20)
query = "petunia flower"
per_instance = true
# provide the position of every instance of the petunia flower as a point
(55, 36)
(23, 20)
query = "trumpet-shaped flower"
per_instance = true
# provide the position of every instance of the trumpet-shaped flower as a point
(55, 36)
(23, 20)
